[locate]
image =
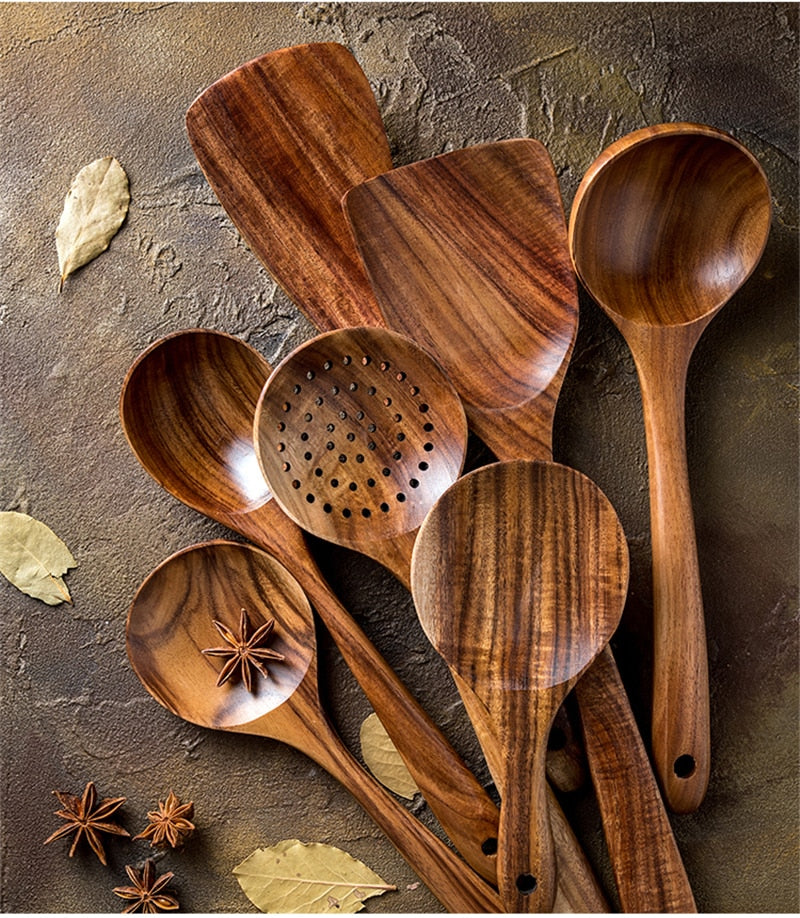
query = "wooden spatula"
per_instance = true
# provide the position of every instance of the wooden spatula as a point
(280, 140)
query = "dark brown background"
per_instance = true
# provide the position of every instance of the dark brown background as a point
(85, 80)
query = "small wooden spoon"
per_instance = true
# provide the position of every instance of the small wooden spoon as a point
(359, 432)
(171, 621)
(280, 140)
(520, 574)
(666, 225)
(187, 409)
(468, 253)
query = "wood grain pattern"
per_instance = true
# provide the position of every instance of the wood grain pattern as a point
(666, 225)
(284, 195)
(169, 623)
(465, 214)
(519, 627)
(280, 140)
(358, 432)
(187, 409)
(466, 253)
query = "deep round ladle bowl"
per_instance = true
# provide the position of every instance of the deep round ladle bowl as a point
(666, 226)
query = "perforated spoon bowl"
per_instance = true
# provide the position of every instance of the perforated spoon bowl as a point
(666, 226)
(170, 623)
(187, 409)
(520, 574)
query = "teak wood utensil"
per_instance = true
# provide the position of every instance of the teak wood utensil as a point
(358, 433)
(468, 253)
(520, 574)
(280, 140)
(170, 623)
(666, 225)
(187, 408)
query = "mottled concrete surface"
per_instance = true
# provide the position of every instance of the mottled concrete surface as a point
(84, 80)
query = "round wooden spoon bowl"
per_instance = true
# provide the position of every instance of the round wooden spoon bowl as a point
(669, 222)
(358, 432)
(187, 408)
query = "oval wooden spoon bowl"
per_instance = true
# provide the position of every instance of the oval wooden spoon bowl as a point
(666, 225)
(171, 623)
(520, 574)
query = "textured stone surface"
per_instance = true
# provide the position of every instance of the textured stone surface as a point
(85, 80)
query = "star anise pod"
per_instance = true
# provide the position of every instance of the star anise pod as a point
(244, 652)
(85, 817)
(169, 825)
(145, 892)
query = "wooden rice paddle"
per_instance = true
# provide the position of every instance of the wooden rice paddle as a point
(187, 409)
(280, 140)
(667, 224)
(171, 621)
(358, 433)
(468, 254)
(519, 575)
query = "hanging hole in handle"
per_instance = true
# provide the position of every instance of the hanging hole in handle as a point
(489, 846)
(526, 884)
(684, 766)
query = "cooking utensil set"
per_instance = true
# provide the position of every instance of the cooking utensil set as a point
(445, 293)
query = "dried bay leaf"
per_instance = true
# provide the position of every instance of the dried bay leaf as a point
(94, 209)
(297, 878)
(33, 558)
(383, 759)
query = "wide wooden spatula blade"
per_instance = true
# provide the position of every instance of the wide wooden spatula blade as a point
(280, 140)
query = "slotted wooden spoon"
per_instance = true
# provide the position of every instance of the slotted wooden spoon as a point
(280, 140)
(171, 621)
(187, 408)
(468, 254)
(666, 225)
(520, 574)
(358, 433)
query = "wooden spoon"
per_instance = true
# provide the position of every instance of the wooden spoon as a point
(468, 253)
(358, 433)
(280, 140)
(666, 225)
(520, 575)
(171, 621)
(187, 409)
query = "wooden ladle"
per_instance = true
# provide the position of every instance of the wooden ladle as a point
(468, 254)
(666, 225)
(359, 432)
(520, 574)
(187, 408)
(171, 621)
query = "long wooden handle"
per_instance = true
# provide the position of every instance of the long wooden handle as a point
(463, 807)
(449, 878)
(647, 865)
(526, 859)
(681, 730)
(578, 889)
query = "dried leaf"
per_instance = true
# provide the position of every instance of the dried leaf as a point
(383, 759)
(296, 878)
(94, 209)
(33, 558)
